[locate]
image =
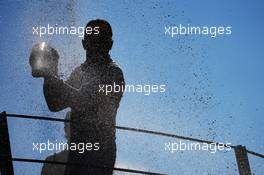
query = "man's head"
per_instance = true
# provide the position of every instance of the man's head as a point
(98, 42)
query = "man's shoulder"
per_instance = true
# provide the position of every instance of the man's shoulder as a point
(115, 67)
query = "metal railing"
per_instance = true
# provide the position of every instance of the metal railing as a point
(6, 159)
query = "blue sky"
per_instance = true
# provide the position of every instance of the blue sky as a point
(213, 85)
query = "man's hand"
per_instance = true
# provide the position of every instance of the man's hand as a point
(43, 72)
(44, 61)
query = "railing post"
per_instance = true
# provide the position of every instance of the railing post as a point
(242, 160)
(6, 164)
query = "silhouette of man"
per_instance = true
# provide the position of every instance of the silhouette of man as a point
(57, 169)
(93, 113)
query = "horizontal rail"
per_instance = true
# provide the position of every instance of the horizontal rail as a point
(135, 130)
(36, 117)
(255, 154)
(78, 164)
